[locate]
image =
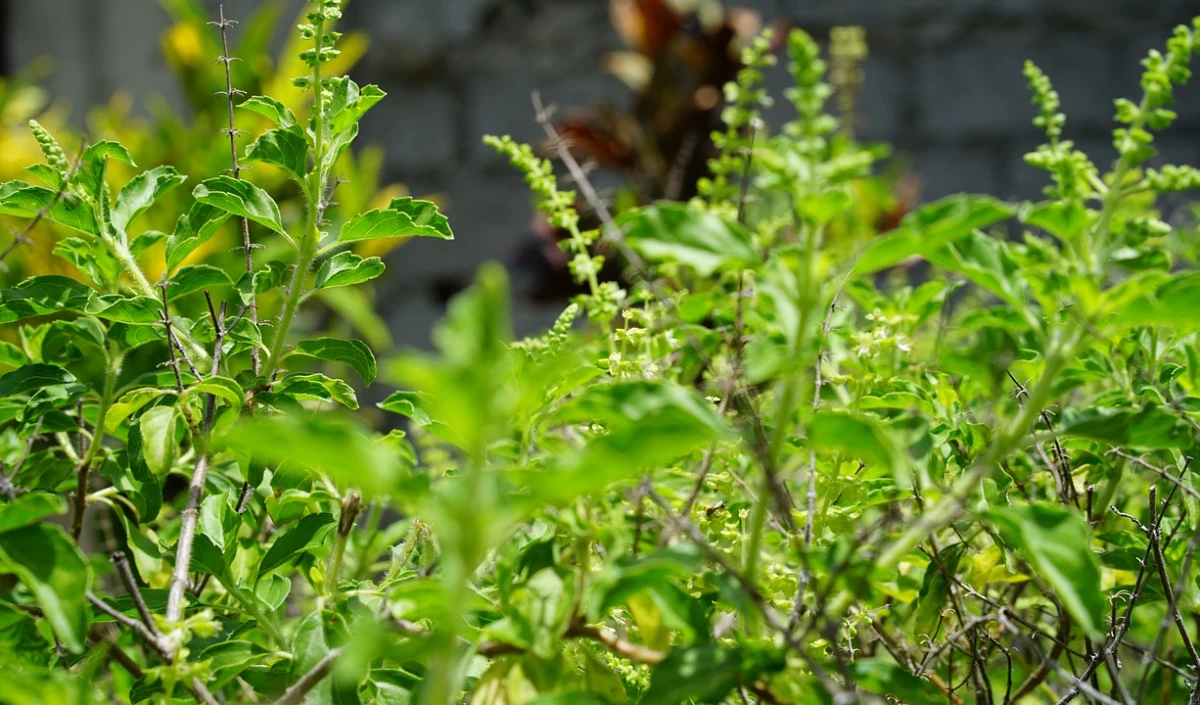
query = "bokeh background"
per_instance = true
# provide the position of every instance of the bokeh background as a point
(943, 84)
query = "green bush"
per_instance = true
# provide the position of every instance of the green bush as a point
(775, 467)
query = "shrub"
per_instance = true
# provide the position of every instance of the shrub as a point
(775, 469)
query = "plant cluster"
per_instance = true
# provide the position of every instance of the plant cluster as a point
(767, 468)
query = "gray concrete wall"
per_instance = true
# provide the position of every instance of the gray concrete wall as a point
(943, 84)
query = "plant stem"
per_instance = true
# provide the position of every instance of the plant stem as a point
(309, 680)
(250, 604)
(85, 465)
(949, 507)
(247, 245)
(350, 508)
(187, 536)
(289, 308)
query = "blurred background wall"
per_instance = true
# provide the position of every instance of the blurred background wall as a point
(943, 84)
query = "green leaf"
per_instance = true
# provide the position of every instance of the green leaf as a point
(1149, 427)
(159, 446)
(30, 508)
(404, 217)
(33, 377)
(705, 673)
(883, 676)
(354, 353)
(930, 228)
(647, 424)
(572, 698)
(348, 269)
(317, 387)
(125, 309)
(22, 200)
(1057, 543)
(1156, 300)
(197, 277)
(349, 103)
(11, 355)
(192, 230)
(856, 435)
(326, 443)
(270, 108)
(93, 164)
(240, 198)
(51, 566)
(147, 557)
(627, 576)
(213, 510)
(207, 558)
(130, 403)
(228, 659)
(285, 148)
(676, 232)
(141, 192)
(43, 295)
(935, 589)
(308, 533)
(407, 404)
(309, 646)
(1064, 220)
(985, 261)
(220, 387)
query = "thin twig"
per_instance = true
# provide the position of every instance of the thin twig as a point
(309, 680)
(247, 244)
(23, 236)
(126, 575)
(1173, 614)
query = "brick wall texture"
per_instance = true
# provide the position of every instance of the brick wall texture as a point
(943, 84)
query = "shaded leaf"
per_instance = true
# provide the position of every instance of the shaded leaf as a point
(308, 533)
(285, 148)
(30, 508)
(856, 435)
(42, 295)
(1149, 427)
(32, 377)
(51, 566)
(1057, 544)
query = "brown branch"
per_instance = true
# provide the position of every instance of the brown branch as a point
(126, 575)
(1168, 591)
(187, 537)
(1059, 644)
(309, 680)
(1162, 472)
(247, 244)
(150, 637)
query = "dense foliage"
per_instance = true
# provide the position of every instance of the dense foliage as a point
(776, 466)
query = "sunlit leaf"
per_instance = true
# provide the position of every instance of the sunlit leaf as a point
(698, 239)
